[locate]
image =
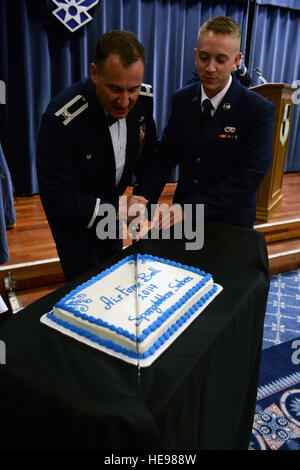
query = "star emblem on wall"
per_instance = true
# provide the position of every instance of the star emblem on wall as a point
(74, 13)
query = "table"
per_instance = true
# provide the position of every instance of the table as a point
(57, 393)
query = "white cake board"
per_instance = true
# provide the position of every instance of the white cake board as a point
(143, 362)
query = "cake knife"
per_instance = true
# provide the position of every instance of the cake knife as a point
(134, 243)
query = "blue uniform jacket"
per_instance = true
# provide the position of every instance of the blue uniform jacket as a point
(76, 165)
(223, 166)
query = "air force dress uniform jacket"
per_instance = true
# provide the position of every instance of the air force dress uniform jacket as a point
(76, 166)
(222, 166)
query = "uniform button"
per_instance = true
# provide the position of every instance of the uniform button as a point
(195, 181)
(198, 160)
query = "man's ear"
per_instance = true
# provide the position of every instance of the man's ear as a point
(237, 61)
(93, 71)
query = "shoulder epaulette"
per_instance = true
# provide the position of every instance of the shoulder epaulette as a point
(146, 90)
(72, 109)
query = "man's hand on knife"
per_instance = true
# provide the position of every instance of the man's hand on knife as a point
(132, 214)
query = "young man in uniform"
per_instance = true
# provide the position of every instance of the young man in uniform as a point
(219, 132)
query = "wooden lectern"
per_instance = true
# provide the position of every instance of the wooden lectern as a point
(269, 194)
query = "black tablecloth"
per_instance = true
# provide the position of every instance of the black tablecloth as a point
(57, 393)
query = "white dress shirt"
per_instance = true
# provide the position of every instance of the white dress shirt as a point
(118, 132)
(215, 100)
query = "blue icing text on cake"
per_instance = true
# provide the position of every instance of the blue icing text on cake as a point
(145, 300)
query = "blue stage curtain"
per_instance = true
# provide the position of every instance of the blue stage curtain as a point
(275, 49)
(293, 4)
(40, 56)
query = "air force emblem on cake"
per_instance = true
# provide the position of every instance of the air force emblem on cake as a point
(73, 13)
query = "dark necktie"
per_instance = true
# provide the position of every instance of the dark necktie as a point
(111, 120)
(206, 112)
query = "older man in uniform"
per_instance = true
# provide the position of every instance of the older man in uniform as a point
(94, 136)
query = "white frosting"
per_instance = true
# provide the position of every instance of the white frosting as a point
(133, 297)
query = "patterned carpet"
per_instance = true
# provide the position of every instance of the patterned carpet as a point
(277, 417)
(282, 320)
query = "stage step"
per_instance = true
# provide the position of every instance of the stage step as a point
(21, 276)
(283, 243)
(284, 255)
(284, 261)
(21, 284)
(281, 230)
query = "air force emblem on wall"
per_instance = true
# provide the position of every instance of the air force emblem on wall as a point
(73, 13)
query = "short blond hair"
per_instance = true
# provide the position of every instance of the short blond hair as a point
(222, 24)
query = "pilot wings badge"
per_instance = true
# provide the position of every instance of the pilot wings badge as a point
(74, 13)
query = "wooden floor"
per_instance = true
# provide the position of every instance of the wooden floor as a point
(34, 265)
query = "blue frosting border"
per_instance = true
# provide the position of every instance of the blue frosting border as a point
(131, 353)
(147, 331)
